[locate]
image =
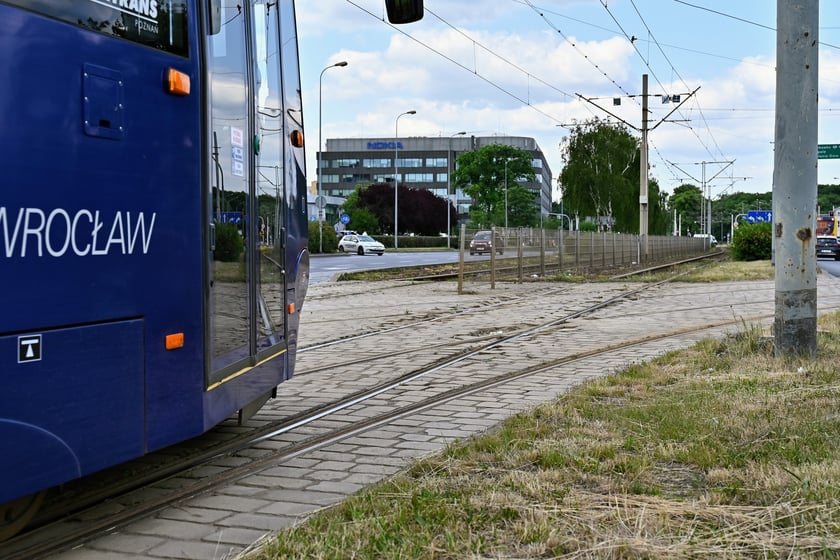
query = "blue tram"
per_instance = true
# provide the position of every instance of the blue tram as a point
(153, 227)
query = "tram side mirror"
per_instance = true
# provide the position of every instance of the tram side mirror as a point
(215, 14)
(404, 11)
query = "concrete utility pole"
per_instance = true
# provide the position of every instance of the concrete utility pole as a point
(679, 99)
(705, 203)
(795, 177)
(643, 173)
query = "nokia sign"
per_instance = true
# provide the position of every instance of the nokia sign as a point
(384, 145)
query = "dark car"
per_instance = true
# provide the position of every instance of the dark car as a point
(828, 247)
(483, 242)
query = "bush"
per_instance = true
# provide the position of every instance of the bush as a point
(753, 242)
(229, 243)
(415, 241)
(329, 243)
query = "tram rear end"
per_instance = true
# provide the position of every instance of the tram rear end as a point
(153, 227)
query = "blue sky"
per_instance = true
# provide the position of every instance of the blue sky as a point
(516, 67)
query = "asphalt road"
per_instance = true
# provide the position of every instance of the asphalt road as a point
(830, 266)
(325, 267)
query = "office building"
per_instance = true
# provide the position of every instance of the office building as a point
(422, 162)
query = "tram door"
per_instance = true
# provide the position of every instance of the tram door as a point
(246, 198)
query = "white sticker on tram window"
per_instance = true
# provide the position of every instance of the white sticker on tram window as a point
(236, 137)
(237, 156)
(29, 348)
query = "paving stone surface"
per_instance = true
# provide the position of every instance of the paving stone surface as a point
(224, 523)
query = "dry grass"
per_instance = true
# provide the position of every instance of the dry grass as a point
(720, 271)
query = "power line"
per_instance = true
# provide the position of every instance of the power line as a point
(639, 39)
(503, 59)
(658, 81)
(743, 20)
(473, 71)
(574, 45)
(726, 15)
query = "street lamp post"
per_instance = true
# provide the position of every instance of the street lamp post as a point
(396, 173)
(506, 189)
(320, 147)
(449, 169)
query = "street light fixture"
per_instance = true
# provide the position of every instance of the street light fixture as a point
(396, 173)
(318, 199)
(449, 169)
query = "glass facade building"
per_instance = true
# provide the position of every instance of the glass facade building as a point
(421, 162)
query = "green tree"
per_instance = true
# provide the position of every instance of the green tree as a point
(659, 212)
(729, 206)
(828, 197)
(686, 200)
(601, 175)
(481, 175)
(361, 219)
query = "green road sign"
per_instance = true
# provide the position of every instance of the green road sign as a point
(828, 151)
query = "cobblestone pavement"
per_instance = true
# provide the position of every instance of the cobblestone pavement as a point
(225, 522)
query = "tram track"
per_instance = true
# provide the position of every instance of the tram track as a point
(86, 524)
(204, 448)
(255, 446)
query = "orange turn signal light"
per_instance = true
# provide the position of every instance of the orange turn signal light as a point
(291, 309)
(174, 341)
(177, 82)
(297, 138)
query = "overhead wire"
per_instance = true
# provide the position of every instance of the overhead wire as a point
(575, 46)
(503, 59)
(653, 73)
(474, 71)
(542, 13)
(773, 29)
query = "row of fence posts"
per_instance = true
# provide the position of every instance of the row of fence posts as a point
(624, 249)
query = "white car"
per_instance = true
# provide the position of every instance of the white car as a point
(706, 236)
(360, 244)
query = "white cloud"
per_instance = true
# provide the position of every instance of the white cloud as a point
(730, 118)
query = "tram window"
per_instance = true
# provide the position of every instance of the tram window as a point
(160, 25)
(215, 14)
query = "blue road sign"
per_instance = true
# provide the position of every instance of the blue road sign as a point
(345, 219)
(229, 217)
(757, 216)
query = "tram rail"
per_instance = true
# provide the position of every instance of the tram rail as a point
(256, 446)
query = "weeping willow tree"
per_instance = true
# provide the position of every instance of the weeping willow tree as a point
(600, 178)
